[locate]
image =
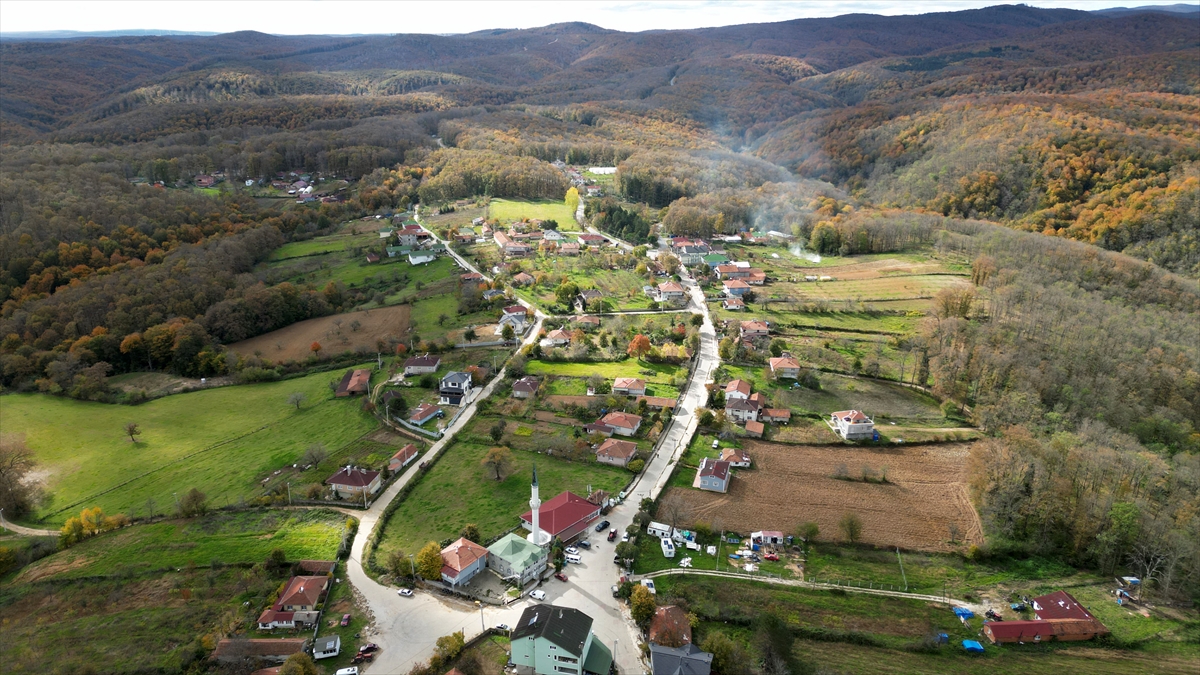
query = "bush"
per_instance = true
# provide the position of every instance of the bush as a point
(637, 465)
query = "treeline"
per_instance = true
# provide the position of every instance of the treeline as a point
(452, 173)
(792, 207)
(660, 177)
(609, 215)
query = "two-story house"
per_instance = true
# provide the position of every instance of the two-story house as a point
(852, 424)
(462, 560)
(455, 387)
(713, 475)
(549, 640)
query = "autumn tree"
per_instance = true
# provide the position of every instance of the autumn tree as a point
(429, 561)
(18, 495)
(470, 532)
(193, 503)
(132, 430)
(507, 332)
(299, 664)
(497, 459)
(315, 348)
(851, 527)
(641, 605)
(639, 346)
(397, 563)
(572, 199)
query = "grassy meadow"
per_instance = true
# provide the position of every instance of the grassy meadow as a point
(228, 537)
(507, 210)
(222, 441)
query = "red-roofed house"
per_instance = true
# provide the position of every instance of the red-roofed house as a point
(622, 423)
(735, 287)
(1060, 605)
(462, 560)
(776, 415)
(354, 382)
(733, 304)
(351, 482)
(296, 605)
(852, 424)
(755, 329)
(785, 367)
(755, 429)
(670, 291)
(658, 402)
(423, 413)
(419, 365)
(565, 516)
(402, 458)
(1042, 630)
(737, 389)
(629, 386)
(616, 453)
(713, 475)
(736, 457)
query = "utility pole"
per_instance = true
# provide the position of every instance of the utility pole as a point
(480, 606)
(289, 493)
(902, 569)
(413, 567)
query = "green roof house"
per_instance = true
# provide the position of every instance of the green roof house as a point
(516, 558)
(714, 259)
(550, 640)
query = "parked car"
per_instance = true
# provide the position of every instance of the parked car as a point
(368, 648)
(538, 594)
(616, 590)
(584, 544)
(560, 576)
(352, 670)
(602, 525)
(406, 592)
(612, 535)
(624, 537)
(771, 556)
(649, 584)
(571, 550)
(716, 444)
(345, 620)
(502, 626)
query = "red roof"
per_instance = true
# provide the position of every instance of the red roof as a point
(670, 287)
(712, 467)
(617, 449)
(755, 325)
(779, 362)
(460, 555)
(621, 420)
(1042, 630)
(403, 456)
(1060, 605)
(736, 283)
(852, 416)
(353, 477)
(739, 386)
(514, 309)
(562, 513)
(755, 428)
(422, 361)
(629, 383)
(422, 412)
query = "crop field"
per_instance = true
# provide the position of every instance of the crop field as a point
(622, 288)
(653, 373)
(427, 514)
(508, 210)
(334, 333)
(925, 495)
(882, 401)
(222, 441)
(229, 537)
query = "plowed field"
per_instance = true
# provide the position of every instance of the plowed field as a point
(925, 494)
(333, 332)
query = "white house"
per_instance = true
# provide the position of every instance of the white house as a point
(419, 365)
(455, 386)
(462, 560)
(629, 386)
(737, 389)
(351, 482)
(327, 647)
(659, 530)
(852, 424)
(741, 410)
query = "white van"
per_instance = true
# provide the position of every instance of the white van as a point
(538, 594)
(574, 558)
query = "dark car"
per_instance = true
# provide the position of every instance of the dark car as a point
(612, 535)
(560, 576)
(584, 544)
(345, 619)
(602, 525)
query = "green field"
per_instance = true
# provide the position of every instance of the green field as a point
(660, 373)
(222, 441)
(334, 243)
(430, 514)
(507, 210)
(228, 537)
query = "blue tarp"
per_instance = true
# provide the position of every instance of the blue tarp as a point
(963, 613)
(972, 646)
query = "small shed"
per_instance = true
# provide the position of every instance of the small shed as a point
(972, 646)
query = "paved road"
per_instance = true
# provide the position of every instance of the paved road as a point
(407, 628)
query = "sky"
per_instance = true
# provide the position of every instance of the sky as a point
(344, 17)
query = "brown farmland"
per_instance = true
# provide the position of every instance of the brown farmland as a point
(925, 494)
(333, 332)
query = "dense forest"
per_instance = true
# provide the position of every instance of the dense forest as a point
(1057, 150)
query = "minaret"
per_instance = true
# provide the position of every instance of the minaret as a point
(535, 503)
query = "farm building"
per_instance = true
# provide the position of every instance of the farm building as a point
(629, 386)
(736, 457)
(516, 558)
(564, 516)
(785, 367)
(658, 402)
(569, 248)
(852, 424)
(1060, 605)
(767, 537)
(402, 458)
(372, 258)
(755, 429)
(462, 560)
(423, 413)
(327, 647)
(712, 475)
(354, 382)
(419, 365)
(776, 415)
(616, 453)
(472, 276)
(352, 482)
(525, 387)
(1042, 630)
(621, 423)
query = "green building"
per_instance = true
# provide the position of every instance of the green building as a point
(714, 259)
(518, 559)
(551, 640)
